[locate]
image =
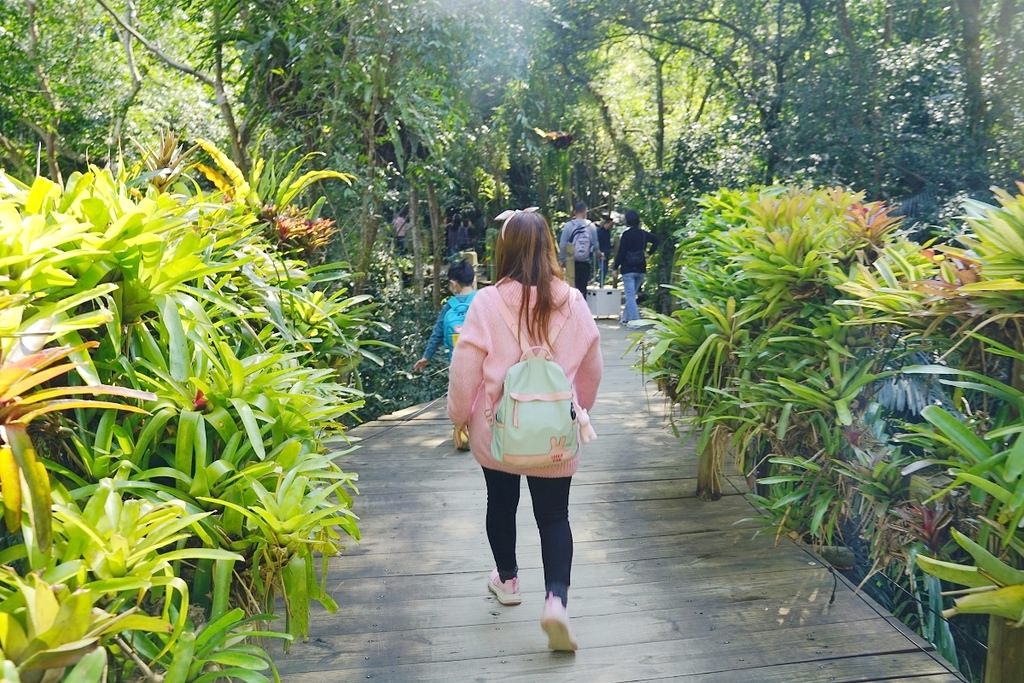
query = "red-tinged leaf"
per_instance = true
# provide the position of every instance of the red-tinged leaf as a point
(45, 357)
(35, 379)
(69, 404)
(16, 370)
(100, 390)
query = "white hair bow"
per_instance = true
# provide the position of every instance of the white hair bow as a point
(507, 214)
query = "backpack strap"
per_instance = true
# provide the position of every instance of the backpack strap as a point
(513, 325)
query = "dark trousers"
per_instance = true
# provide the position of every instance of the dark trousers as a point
(551, 510)
(583, 269)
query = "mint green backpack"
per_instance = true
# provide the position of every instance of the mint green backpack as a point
(537, 422)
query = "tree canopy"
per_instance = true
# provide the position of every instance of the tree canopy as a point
(917, 102)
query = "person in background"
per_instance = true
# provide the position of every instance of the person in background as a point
(465, 234)
(448, 326)
(530, 287)
(401, 226)
(604, 245)
(631, 261)
(452, 233)
(582, 235)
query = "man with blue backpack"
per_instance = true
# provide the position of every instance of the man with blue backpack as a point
(579, 236)
(461, 281)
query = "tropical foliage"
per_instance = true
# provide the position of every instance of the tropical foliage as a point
(175, 327)
(873, 387)
(170, 373)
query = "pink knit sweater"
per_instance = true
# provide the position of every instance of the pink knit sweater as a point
(487, 349)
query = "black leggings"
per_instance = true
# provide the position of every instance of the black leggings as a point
(551, 510)
(582, 277)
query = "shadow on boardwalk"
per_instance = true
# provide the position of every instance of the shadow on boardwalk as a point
(664, 587)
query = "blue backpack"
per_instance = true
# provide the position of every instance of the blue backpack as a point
(455, 316)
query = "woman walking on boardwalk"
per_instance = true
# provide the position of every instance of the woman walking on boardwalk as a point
(631, 261)
(552, 315)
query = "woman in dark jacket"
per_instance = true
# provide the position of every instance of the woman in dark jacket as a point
(631, 261)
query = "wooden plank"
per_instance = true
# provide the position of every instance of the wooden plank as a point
(790, 597)
(938, 678)
(664, 586)
(394, 588)
(408, 532)
(592, 520)
(704, 551)
(412, 446)
(908, 667)
(654, 644)
(462, 478)
(462, 498)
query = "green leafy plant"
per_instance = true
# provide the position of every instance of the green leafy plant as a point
(19, 406)
(46, 628)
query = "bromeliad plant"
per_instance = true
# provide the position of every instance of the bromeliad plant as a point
(245, 359)
(25, 367)
(993, 588)
(757, 350)
(799, 312)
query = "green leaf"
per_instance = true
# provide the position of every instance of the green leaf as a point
(177, 345)
(962, 574)
(783, 424)
(966, 442)
(90, 669)
(239, 659)
(991, 488)
(987, 563)
(252, 428)
(843, 413)
(296, 590)
(1015, 460)
(821, 507)
(184, 446)
(37, 482)
(246, 675)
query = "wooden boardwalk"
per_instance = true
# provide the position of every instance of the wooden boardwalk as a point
(664, 586)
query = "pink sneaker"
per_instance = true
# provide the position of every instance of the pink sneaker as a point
(506, 592)
(555, 623)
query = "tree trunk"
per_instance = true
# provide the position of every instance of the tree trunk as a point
(438, 243)
(417, 248)
(974, 105)
(238, 152)
(370, 218)
(770, 123)
(565, 163)
(621, 145)
(1005, 661)
(659, 95)
(131, 17)
(215, 81)
(710, 465)
(864, 120)
(1002, 68)
(48, 131)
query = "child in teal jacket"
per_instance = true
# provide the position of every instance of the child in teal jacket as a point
(461, 281)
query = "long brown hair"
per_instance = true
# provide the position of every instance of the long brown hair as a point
(525, 252)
